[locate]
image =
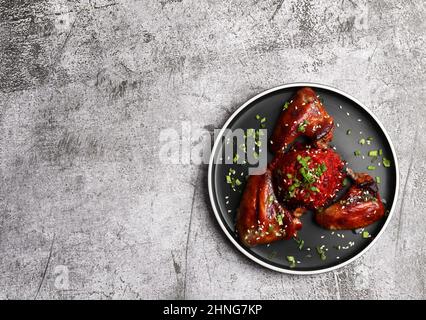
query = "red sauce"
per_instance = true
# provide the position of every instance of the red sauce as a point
(308, 177)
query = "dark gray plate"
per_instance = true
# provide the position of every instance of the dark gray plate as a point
(349, 114)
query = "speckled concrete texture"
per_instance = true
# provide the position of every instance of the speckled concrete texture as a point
(87, 210)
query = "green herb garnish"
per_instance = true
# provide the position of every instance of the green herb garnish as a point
(230, 179)
(315, 189)
(302, 126)
(373, 153)
(362, 141)
(292, 261)
(236, 157)
(365, 234)
(386, 162)
(371, 168)
(285, 107)
(321, 253)
(357, 152)
(378, 180)
(345, 182)
(300, 243)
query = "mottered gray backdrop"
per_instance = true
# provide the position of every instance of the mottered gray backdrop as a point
(88, 210)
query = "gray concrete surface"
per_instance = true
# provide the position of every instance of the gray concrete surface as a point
(87, 209)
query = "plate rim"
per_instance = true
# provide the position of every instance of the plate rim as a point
(232, 238)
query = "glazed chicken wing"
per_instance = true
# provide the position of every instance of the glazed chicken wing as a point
(304, 116)
(261, 218)
(360, 207)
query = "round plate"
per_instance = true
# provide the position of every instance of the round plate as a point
(341, 247)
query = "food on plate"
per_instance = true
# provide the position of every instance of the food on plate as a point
(305, 116)
(304, 175)
(360, 206)
(262, 219)
(308, 177)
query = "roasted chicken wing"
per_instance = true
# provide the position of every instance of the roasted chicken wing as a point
(261, 218)
(360, 206)
(305, 116)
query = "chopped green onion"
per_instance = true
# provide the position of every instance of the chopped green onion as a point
(236, 157)
(371, 168)
(280, 219)
(345, 182)
(286, 105)
(321, 253)
(365, 234)
(300, 243)
(315, 189)
(386, 162)
(292, 261)
(302, 126)
(257, 117)
(378, 179)
(289, 176)
(270, 199)
(228, 179)
(237, 182)
(255, 155)
(373, 153)
(362, 141)
(357, 152)
(380, 152)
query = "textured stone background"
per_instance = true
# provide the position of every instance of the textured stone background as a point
(85, 88)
